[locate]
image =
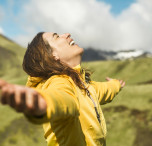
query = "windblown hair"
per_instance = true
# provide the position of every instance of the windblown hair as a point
(39, 62)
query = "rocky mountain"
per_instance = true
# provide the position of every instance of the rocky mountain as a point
(91, 54)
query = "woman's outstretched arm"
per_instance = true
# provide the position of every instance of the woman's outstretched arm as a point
(55, 102)
(22, 99)
(106, 91)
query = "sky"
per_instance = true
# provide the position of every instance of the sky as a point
(100, 24)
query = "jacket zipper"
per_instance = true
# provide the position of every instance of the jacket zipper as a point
(95, 107)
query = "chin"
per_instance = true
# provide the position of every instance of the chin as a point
(81, 50)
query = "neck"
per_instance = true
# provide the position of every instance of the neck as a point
(74, 62)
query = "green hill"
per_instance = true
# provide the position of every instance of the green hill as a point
(128, 116)
(135, 71)
(11, 55)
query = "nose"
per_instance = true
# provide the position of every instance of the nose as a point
(66, 35)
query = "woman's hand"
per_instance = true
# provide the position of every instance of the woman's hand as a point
(122, 83)
(22, 99)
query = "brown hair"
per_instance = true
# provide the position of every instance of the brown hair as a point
(39, 62)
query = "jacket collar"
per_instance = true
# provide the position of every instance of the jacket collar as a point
(77, 68)
(80, 71)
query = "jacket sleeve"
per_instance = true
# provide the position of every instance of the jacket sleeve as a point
(106, 91)
(61, 101)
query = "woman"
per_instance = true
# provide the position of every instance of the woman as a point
(60, 94)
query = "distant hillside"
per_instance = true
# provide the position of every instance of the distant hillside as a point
(11, 55)
(136, 71)
(91, 54)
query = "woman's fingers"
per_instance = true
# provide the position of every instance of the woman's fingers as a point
(108, 79)
(20, 104)
(122, 83)
(42, 105)
(31, 102)
(23, 99)
(2, 83)
(4, 95)
(35, 103)
(10, 97)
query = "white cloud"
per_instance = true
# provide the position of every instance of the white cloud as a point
(135, 25)
(23, 40)
(91, 23)
(1, 19)
(1, 31)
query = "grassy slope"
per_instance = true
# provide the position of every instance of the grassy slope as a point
(132, 71)
(11, 55)
(128, 117)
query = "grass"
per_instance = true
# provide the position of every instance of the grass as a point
(132, 71)
(19, 131)
(11, 56)
(9, 45)
(128, 115)
(134, 96)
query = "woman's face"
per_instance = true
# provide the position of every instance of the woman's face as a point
(64, 48)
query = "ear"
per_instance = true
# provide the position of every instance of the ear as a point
(56, 56)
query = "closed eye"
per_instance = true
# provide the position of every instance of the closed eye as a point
(55, 35)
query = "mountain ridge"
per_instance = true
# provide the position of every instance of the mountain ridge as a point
(91, 54)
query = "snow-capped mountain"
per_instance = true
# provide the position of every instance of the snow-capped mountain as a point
(93, 54)
(122, 55)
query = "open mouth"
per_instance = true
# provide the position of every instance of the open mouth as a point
(72, 43)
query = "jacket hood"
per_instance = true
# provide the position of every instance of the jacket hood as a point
(34, 81)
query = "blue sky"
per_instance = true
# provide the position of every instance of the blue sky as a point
(9, 21)
(117, 24)
(118, 5)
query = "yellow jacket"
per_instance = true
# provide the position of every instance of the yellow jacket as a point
(71, 119)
